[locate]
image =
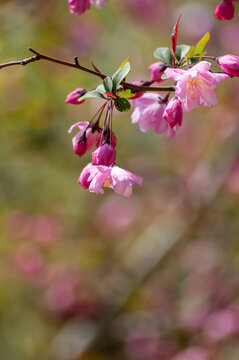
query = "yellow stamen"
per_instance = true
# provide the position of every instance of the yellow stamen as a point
(193, 85)
(107, 182)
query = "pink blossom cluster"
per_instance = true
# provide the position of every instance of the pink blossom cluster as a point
(80, 6)
(225, 10)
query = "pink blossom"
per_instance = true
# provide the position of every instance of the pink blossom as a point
(73, 97)
(85, 139)
(98, 3)
(229, 64)
(78, 6)
(149, 113)
(193, 353)
(95, 177)
(104, 155)
(173, 113)
(224, 10)
(157, 69)
(122, 181)
(196, 86)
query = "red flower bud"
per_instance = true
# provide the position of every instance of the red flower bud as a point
(224, 10)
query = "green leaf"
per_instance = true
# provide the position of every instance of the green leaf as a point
(163, 54)
(122, 105)
(120, 74)
(181, 51)
(91, 94)
(101, 89)
(126, 94)
(201, 44)
(108, 84)
(191, 52)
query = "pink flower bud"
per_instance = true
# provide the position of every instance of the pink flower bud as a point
(224, 10)
(104, 155)
(173, 113)
(229, 64)
(73, 97)
(78, 6)
(157, 70)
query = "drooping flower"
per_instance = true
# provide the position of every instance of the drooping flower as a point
(73, 97)
(229, 64)
(78, 6)
(224, 10)
(123, 180)
(157, 69)
(173, 113)
(104, 155)
(196, 86)
(85, 139)
(149, 113)
(95, 177)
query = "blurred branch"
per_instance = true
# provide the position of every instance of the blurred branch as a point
(76, 65)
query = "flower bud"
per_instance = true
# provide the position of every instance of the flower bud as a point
(78, 6)
(229, 64)
(104, 155)
(173, 113)
(73, 97)
(157, 70)
(224, 10)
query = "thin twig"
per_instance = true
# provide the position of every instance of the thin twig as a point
(76, 65)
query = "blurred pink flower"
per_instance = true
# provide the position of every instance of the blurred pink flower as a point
(142, 345)
(196, 86)
(104, 155)
(149, 113)
(98, 3)
(224, 10)
(193, 353)
(157, 69)
(45, 229)
(73, 97)
(229, 64)
(221, 324)
(29, 260)
(95, 177)
(232, 182)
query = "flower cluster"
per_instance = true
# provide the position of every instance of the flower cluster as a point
(194, 85)
(80, 6)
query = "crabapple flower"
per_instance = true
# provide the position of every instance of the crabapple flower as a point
(157, 69)
(85, 139)
(196, 86)
(149, 113)
(95, 177)
(104, 155)
(224, 10)
(123, 180)
(98, 3)
(173, 113)
(229, 64)
(78, 6)
(73, 97)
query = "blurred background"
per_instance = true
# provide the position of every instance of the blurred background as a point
(82, 276)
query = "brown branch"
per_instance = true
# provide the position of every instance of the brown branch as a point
(38, 56)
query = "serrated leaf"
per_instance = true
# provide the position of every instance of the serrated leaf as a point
(163, 54)
(91, 94)
(108, 84)
(202, 43)
(120, 74)
(126, 94)
(181, 51)
(122, 105)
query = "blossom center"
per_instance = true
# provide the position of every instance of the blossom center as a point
(194, 86)
(107, 182)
